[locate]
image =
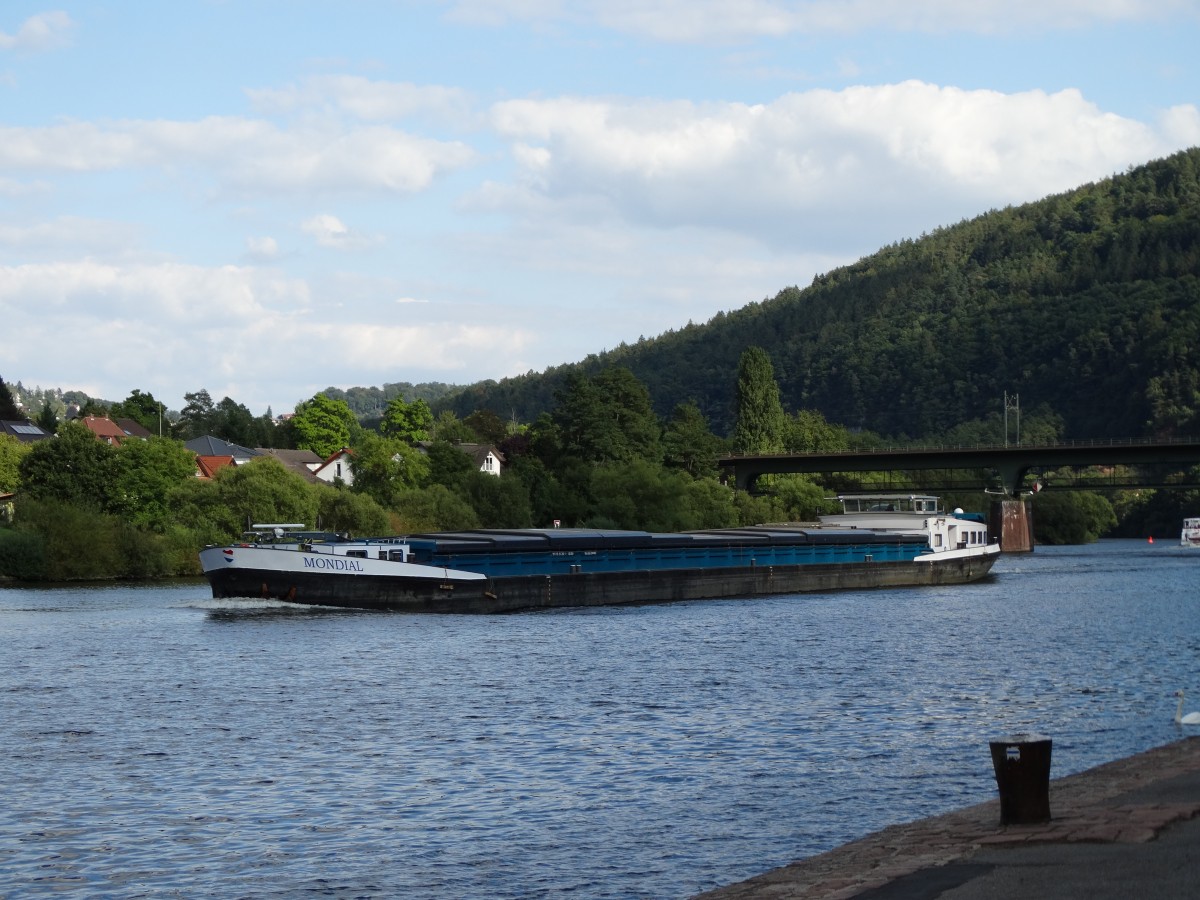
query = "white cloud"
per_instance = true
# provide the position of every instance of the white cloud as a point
(262, 249)
(69, 234)
(11, 187)
(44, 31)
(821, 164)
(330, 231)
(1181, 125)
(725, 20)
(236, 331)
(364, 99)
(248, 154)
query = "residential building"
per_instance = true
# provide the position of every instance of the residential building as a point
(23, 430)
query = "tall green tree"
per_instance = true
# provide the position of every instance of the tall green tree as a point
(233, 422)
(198, 416)
(409, 422)
(144, 410)
(324, 425)
(47, 420)
(608, 418)
(488, 426)
(761, 421)
(689, 444)
(149, 475)
(8, 405)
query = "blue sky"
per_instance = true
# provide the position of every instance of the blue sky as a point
(262, 199)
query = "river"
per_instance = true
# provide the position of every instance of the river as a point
(158, 743)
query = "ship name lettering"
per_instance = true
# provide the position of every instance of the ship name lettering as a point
(337, 563)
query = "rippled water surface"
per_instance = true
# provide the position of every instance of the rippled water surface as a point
(157, 743)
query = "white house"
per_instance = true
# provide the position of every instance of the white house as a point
(338, 466)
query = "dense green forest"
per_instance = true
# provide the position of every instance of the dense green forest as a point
(1086, 304)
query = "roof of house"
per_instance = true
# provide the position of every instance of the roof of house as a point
(133, 428)
(479, 452)
(23, 430)
(208, 466)
(302, 462)
(104, 428)
(213, 446)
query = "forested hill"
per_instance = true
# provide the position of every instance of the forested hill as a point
(1086, 303)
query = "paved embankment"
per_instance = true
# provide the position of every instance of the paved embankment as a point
(1127, 828)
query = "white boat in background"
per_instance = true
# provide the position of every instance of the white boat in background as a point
(1190, 537)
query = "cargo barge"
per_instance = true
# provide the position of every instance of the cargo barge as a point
(496, 570)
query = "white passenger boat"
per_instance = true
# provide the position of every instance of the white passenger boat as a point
(1190, 537)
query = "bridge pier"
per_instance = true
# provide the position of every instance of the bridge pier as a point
(1012, 522)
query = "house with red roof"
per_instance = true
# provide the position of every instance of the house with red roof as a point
(208, 466)
(105, 429)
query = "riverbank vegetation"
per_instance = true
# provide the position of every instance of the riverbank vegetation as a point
(1086, 305)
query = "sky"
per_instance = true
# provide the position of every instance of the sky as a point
(265, 198)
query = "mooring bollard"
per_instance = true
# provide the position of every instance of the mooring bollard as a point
(1022, 764)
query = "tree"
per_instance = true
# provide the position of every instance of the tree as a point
(802, 499)
(12, 452)
(640, 494)
(407, 421)
(448, 465)
(688, 444)
(197, 418)
(233, 422)
(149, 474)
(490, 427)
(263, 490)
(435, 508)
(498, 502)
(809, 432)
(92, 407)
(386, 467)
(73, 467)
(1071, 517)
(143, 409)
(47, 420)
(352, 513)
(8, 406)
(449, 427)
(324, 425)
(608, 418)
(760, 417)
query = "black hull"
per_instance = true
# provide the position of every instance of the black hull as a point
(586, 589)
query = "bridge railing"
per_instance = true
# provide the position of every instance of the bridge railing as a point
(911, 448)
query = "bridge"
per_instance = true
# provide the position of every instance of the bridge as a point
(1000, 469)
